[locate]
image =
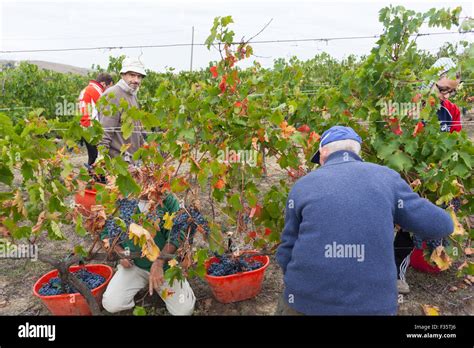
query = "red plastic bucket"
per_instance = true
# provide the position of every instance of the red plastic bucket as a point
(73, 304)
(240, 286)
(418, 262)
(87, 199)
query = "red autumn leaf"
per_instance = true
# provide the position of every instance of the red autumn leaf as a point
(255, 211)
(398, 131)
(304, 129)
(432, 101)
(268, 231)
(219, 184)
(252, 234)
(395, 126)
(166, 186)
(416, 98)
(223, 84)
(183, 182)
(347, 113)
(214, 72)
(238, 104)
(313, 138)
(4, 231)
(418, 128)
(231, 60)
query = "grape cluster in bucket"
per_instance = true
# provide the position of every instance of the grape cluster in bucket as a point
(228, 265)
(53, 287)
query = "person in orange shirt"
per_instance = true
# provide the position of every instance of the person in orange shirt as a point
(87, 100)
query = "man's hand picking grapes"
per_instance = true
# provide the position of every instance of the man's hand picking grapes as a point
(156, 276)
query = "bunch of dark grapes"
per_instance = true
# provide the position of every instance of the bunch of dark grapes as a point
(182, 222)
(127, 208)
(417, 242)
(227, 266)
(455, 203)
(101, 179)
(431, 244)
(53, 287)
(434, 243)
(155, 215)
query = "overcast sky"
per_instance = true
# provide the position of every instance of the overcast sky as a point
(53, 24)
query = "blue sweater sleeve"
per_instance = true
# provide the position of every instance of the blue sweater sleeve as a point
(289, 234)
(418, 215)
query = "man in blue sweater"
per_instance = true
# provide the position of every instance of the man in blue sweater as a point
(337, 245)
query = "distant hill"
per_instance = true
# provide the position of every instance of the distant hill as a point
(62, 68)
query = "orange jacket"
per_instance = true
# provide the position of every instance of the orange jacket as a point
(87, 100)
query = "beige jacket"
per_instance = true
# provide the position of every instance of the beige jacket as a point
(113, 138)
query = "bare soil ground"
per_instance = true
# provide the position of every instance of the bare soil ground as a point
(18, 276)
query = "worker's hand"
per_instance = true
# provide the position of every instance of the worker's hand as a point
(126, 263)
(156, 276)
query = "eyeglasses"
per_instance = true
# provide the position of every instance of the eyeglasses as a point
(445, 90)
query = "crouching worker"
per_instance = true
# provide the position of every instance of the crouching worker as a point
(138, 273)
(337, 251)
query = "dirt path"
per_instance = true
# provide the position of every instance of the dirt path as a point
(18, 276)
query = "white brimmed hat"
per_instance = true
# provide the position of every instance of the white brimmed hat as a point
(133, 65)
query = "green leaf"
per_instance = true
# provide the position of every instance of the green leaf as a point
(120, 165)
(400, 161)
(411, 147)
(79, 250)
(80, 230)
(460, 170)
(283, 161)
(127, 128)
(26, 171)
(235, 201)
(251, 198)
(127, 185)
(215, 239)
(276, 118)
(6, 176)
(139, 311)
(226, 20)
(298, 138)
(177, 185)
(56, 204)
(466, 158)
(67, 169)
(56, 230)
(273, 209)
(188, 134)
(469, 270)
(386, 150)
(21, 232)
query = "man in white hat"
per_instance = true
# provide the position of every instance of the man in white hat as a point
(132, 74)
